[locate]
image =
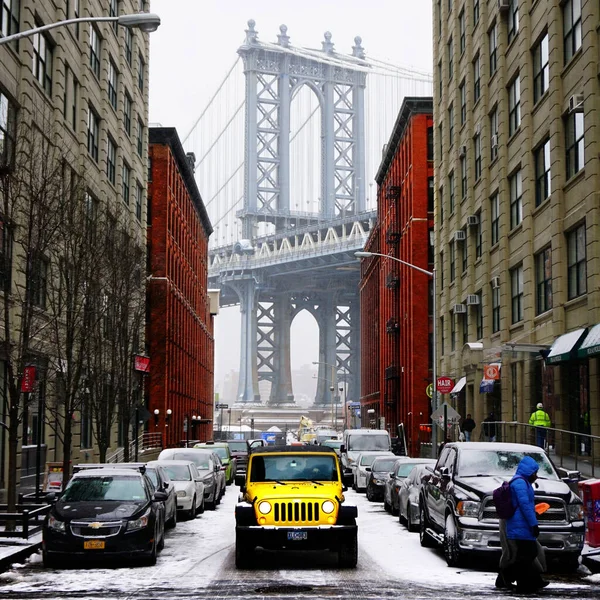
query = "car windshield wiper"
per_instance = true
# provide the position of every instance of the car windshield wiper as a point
(275, 481)
(315, 481)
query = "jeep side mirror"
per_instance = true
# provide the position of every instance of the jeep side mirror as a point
(240, 480)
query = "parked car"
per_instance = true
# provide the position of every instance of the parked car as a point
(400, 471)
(188, 486)
(359, 468)
(361, 440)
(208, 465)
(158, 477)
(105, 512)
(239, 451)
(408, 497)
(335, 444)
(229, 462)
(377, 475)
(457, 509)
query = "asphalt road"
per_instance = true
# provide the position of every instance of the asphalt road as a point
(198, 562)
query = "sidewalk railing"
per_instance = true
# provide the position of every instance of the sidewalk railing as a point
(144, 442)
(27, 521)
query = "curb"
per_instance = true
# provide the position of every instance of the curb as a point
(18, 556)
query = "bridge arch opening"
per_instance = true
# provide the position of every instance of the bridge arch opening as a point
(304, 350)
(305, 151)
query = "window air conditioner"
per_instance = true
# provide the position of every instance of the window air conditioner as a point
(462, 152)
(459, 236)
(459, 309)
(478, 129)
(576, 103)
(503, 5)
(472, 220)
(495, 282)
(495, 141)
(472, 299)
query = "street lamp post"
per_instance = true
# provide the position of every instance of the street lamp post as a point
(434, 307)
(147, 22)
(331, 387)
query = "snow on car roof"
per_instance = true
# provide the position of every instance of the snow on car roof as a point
(497, 446)
(107, 473)
(170, 463)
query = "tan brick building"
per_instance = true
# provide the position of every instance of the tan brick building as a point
(517, 212)
(85, 86)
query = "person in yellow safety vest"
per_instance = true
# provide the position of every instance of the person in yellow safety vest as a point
(540, 420)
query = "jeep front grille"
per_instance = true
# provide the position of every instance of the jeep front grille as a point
(557, 513)
(296, 512)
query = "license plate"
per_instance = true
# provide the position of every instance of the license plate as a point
(296, 536)
(94, 545)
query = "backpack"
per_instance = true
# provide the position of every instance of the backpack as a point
(503, 500)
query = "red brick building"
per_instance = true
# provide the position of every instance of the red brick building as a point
(179, 323)
(396, 307)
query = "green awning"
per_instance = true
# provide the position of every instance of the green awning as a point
(591, 343)
(563, 346)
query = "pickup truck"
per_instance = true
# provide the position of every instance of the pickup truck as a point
(457, 510)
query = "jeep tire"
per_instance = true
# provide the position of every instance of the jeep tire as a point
(348, 552)
(243, 551)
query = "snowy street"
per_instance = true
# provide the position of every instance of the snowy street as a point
(198, 562)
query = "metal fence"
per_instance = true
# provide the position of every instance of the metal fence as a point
(25, 522)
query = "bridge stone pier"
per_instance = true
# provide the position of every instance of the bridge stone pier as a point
(299, 260)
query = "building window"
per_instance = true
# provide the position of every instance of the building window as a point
(140, 137)
(495, 220)
(475, 12)
(514, 105)
(439, 15)
(430, 143)
(7, 132)
(430, 194)
(93, 133)
(451, 124)
(450, 59)
(449, 6)
(513, 20)
(478, 237)
(42, 62)
(495, 309)
(71, 99)
(113, 11)
(127, 113)
(493, 39)
(139, 201)
(113, 82)
(452, 251)
(76, 15)
(111, 161)
(543, 280)
(571, 27)
(440, 78)
(574, 143)
(465, 322)
(576, 259)
(141, 67)
(516, 199)
(441, 202)
(464, 252)
(461, 31)
(476, 79)
(95, 49)
(441, 139)
(126, 182)
(441, 270)
(10, 17)
(494, 134)
(38, 281)
(541, 70)
(463, 103)
(478, 309)
(516, 293)
(451, 192)
(542, 172)
(463, 177)
(442, 339)
(477, 146)
(452, 332)
(128, 45)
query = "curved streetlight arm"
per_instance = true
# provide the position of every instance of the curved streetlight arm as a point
(147, 22)
(369, 254)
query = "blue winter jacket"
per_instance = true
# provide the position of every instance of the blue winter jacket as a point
(520, 525)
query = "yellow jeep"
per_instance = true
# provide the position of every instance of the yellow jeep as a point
(293, 498)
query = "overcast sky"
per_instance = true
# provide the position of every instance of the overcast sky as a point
(196, 45)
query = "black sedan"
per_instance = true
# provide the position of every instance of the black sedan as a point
(400, 472)
(104, 513)
(159, 477)
(378, 474)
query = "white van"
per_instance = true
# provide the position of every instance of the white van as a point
(362, 440)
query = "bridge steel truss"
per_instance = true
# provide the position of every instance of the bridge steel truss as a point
(312, 268)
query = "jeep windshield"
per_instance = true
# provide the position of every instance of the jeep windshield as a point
(290, 467)
(500, 463)
(364, 443)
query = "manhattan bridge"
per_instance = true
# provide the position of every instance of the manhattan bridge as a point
(285, 152)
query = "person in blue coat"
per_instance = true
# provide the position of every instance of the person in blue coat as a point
(522, 529)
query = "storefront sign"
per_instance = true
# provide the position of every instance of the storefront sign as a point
(28, 380)
(444, 384)
(491, 372)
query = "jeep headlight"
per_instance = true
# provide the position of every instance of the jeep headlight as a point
(139, 523)
(56, 525)
(575, 511)
(181, 493)
(328, 507)
(468, 508)
(264, 508)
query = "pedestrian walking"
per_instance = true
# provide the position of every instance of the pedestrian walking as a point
(519, 562)
(540, 420)
(489, 428)
(467, 427)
